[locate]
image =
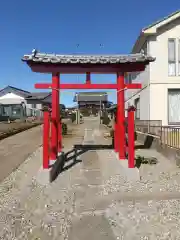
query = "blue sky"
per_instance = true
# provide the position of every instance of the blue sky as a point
(57, 26)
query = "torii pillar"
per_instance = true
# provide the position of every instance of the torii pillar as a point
(120, 127)
(56, 139)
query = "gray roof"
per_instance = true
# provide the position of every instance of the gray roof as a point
(17, 91)
(91, 93)
(37, 57)
(161, 20)
(38, 95)
(25, 94)
(91, 97)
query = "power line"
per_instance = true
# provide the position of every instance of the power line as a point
(136, 93)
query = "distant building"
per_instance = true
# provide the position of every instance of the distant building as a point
(92, 100)
(17, 103)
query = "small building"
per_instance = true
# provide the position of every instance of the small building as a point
(16, 103)
(98, 100)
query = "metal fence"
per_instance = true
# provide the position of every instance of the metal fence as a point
(32, 112)
(149, 126)
(169, 136)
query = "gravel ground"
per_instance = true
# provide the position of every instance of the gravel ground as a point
(91, 200)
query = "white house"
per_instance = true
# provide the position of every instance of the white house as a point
(159, 98)
(18, 103)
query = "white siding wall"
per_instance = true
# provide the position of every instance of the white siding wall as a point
(159, 79)
(143, 78)
(11, 98)
(145, 104)
(39, 106)
(159, 101)
(159, 49)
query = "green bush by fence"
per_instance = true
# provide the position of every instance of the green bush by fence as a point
(85, 112)
(73, 117)
(105, 119)
(64, 129)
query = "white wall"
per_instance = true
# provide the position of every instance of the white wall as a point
(159, 101)
(143, 78)
(159, 48)
(154, 98)
(11, 98)
(145, 104)
(159, 79)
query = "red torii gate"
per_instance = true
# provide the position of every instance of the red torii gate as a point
(63, 64)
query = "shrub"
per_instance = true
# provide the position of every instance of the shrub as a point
(85, 112)
(94, 111)
(64, 129)
(73, 117)
(112, 132)
(106, 120)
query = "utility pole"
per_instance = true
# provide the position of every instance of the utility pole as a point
(100, 109)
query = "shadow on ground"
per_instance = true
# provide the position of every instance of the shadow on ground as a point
(147, 143)
(69, 159)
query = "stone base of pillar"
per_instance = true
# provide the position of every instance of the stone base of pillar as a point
(46, 176)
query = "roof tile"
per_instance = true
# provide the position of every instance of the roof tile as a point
(84, 59)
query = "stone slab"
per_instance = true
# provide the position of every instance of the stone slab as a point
(132, 174)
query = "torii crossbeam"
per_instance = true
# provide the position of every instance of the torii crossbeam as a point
(87, 64)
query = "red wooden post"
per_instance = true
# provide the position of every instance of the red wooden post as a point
(88, 78)
(131, 151)
(59, 121)
(54, 116)
(46, 127)
(115, 138)
(120, 116)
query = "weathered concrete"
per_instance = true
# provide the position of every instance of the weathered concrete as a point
(44, 176)
(153, 142)
(131, 174)
(15, 149)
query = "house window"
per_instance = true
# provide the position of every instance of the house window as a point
(171, 57)
(17, 110)
(173, 106)
(179, 57)
(137, 106)
(34, 105)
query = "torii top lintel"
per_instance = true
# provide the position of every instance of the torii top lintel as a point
(55, 63)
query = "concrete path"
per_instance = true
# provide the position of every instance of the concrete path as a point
(92, 199)
(15, 149)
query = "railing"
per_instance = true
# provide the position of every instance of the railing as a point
(32, 112)
(149, 126)
(169, 136)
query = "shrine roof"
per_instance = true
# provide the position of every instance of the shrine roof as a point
(90, 96)
(36, 57)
